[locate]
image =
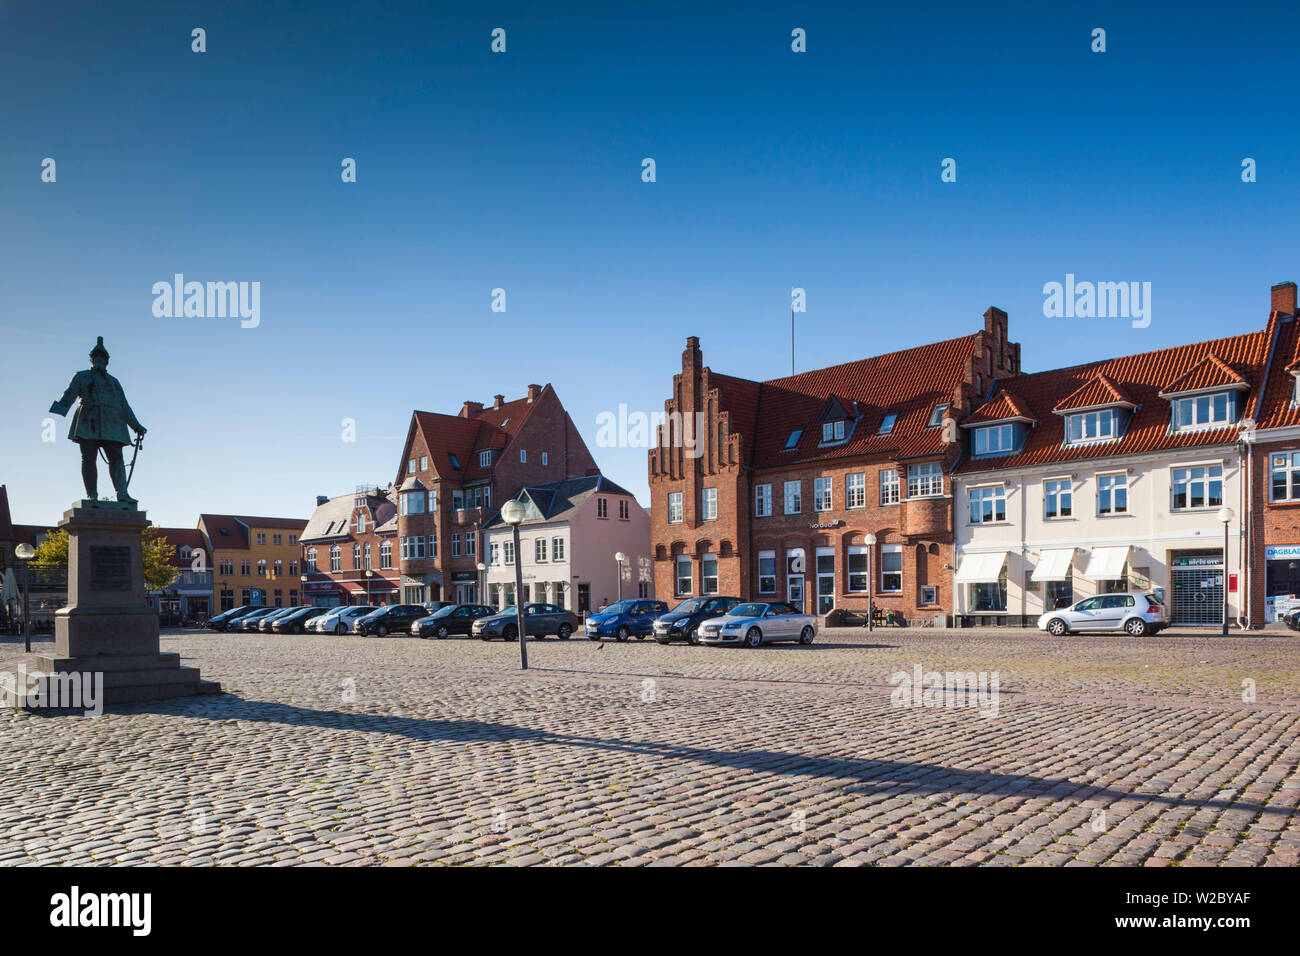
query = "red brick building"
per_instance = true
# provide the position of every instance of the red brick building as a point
(349, 549)
(770, 489)
(456, 469)
(1272, 569)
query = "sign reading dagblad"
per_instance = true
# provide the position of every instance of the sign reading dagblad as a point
(1282, 552)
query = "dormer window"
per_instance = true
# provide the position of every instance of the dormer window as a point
(793, 440)
(1102, 425)
(485, 459)
(1204, 411)
(833, 431)
(995, 440)
(887, 423)
(936, 416)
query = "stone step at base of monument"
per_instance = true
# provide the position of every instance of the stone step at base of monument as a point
(126, 679)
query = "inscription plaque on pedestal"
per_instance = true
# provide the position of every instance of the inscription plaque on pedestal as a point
(110, 567)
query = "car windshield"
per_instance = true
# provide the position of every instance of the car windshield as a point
(361, 609)
(620, 607)
(509, 610)
(444, 611)
(689, 607)
(747, 610)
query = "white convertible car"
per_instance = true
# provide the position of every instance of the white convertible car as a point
(758, 623)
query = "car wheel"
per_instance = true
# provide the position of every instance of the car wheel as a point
(339, 630)
(694, 637)
(564, 632)
(511, 633)
(1136, 627)
(622, 634)
(1056, 627)
(753, 637)
(442, 632)
(806, 635)
(381, 631)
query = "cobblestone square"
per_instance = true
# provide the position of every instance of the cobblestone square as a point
(1104, 749)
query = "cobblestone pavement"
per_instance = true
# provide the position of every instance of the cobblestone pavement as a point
(1103, 750)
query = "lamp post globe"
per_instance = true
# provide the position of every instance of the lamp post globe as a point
(512, 513)
(1225, 515)
(870, 540)
(24, 553)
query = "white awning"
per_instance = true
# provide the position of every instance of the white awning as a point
(1106, 564)
(1053, 565)
(981, 568)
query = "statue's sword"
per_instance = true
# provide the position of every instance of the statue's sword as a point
(139, 439)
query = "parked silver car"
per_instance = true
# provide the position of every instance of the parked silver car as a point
(1137, 613)
(757, 623)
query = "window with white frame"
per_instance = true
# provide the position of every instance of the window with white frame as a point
(485, 459)
(356, 557)
(602, 507)
(470, 546)
(336, 558)
(1203, 411)
(424, 462)
(539, 550)
(821, 494)
(709, 574)
(674, 507)
(929, 594)
(455, 544)
(433, 502)
(494, 553)
(887, 423)
(891, 567)
(557, 549)
(1284, 470)
(767, 572)
(361, 522)
(1112, 494)
(936, 416)
(1200, 486)
(433, 544)
(833, 431)
(709, 504)
(458, 500)
(762, 501)
(995, 440)
(889, 486)
(1057, 498)
(311, 562)
(793, 497)
(685, 580)
(410, 467)
(925, 480)
(987, 504)
(386, 555)
(859, 568)
(624, 510)
(855, 490)
(1102, 425)
(507, 552)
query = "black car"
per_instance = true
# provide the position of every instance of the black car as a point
(293, 623)
(452, 619)
(680, 623)
(222, 621)
(539, 620)
(394, 617)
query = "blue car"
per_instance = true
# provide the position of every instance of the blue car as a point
(624, 619)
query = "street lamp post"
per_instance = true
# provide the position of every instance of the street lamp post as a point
(1225, 515)
(302, 589)
(512, 513)
(482, 583)
(871, 583)
(369, 574)
(619, 558)
(24, 553)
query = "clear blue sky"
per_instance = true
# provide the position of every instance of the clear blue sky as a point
(522, 171)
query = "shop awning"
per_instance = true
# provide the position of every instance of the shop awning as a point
(1106, 564)
(1053, 565)
(981, 568)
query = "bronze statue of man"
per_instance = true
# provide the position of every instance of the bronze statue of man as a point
(100, 422)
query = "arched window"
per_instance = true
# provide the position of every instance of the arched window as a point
(356, 557)
(386, 555)
(336, 558)
(367, 555)
(311, 559)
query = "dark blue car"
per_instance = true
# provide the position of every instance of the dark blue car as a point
(624, 619)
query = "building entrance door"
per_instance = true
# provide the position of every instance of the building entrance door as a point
(1196, 582)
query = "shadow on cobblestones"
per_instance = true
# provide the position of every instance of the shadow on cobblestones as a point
(869, 775)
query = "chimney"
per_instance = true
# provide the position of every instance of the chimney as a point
(691, 358)
(533, 392)
(470, 409)
(498, 401)
(1284, 298)
(321, 499)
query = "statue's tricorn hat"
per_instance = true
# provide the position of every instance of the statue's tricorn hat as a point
(99, 349)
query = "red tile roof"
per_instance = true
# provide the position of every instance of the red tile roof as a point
(909, 382)
(231, 531)
(1004, 407)
(1209, 372)
(1142, 377)
(464, 436)
(1276, 410)
(1098, 391)
(181, 537)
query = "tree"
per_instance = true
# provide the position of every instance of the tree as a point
(159, 573)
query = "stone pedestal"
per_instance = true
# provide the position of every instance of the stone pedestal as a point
(108, 626)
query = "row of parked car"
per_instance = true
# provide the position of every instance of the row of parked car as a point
(713, 620)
